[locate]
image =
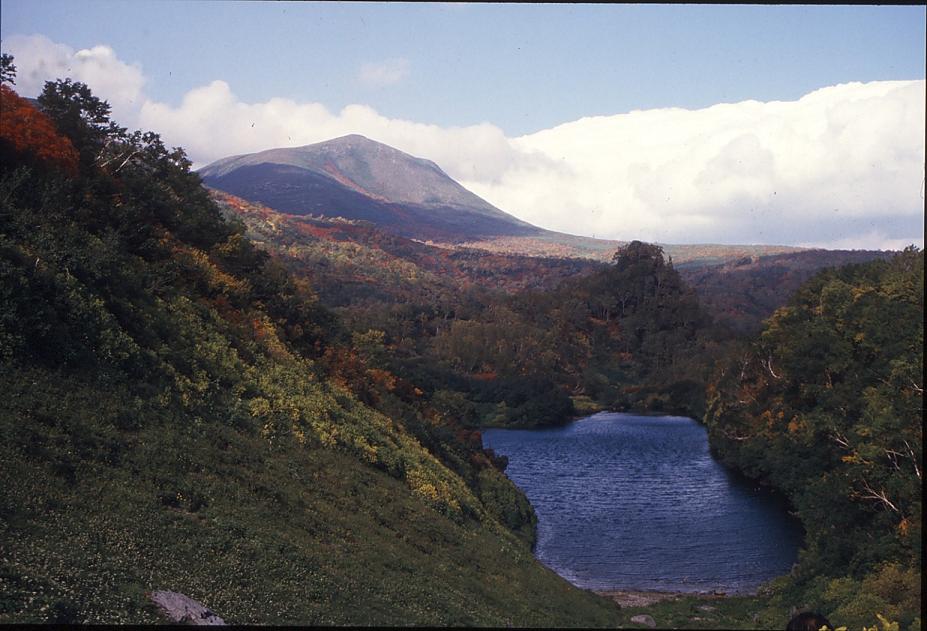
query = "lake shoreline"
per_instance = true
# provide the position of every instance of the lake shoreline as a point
(579, 416)
(630, 598)
(642, 598)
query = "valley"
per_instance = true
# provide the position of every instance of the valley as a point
(268, 385)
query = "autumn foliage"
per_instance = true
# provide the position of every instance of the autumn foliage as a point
(826, 405)
(30, 133)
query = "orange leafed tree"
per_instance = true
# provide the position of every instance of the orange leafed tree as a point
(29, 131)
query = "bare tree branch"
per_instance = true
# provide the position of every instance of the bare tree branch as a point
(734, 436)
(893, 458)
(126, 161)
(917, 470)
(743, 367)
(840, 439)
(878, 496)
(769, 367)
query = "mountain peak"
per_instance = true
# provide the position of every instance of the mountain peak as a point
(350, 139)
(345, 175)
(366, 147)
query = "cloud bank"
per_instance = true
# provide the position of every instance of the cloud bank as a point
(840, 163)
(842, 166)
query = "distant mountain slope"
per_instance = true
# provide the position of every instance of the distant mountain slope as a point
(744, 292)
(551, 244)
(361, 179)
(369, 167)
(358, 178)
(351, 261)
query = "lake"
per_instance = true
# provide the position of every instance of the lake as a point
(638, 503)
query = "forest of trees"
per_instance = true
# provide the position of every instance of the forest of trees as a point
(827, 406)
(742, 293)
(505, 339)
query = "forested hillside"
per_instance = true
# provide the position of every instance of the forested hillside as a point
(352, 262)
(827, 405)
(181, 413)
(503, 339)
(742, 293)
(462, 323)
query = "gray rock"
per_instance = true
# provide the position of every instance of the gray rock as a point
(707, 607)
(183, 609)
(644, 619)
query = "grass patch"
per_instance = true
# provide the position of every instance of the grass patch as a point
(259, 532)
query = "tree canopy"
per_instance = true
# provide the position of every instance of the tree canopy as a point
(827, 406)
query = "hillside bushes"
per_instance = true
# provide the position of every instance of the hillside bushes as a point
(827, 406)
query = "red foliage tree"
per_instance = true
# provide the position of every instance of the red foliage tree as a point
(27, 131)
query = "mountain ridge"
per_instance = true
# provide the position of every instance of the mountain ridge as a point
(357, 178)
(371, 168)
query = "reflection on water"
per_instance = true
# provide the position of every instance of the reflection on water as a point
(635, 502)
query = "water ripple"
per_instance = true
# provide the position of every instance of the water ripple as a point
(632, 502)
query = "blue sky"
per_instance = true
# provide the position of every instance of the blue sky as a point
(522, 67)
(797, 125)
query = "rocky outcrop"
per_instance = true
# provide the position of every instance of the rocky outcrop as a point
(645, 620)
(183, 609)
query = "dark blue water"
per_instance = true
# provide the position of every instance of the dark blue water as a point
(638, 503)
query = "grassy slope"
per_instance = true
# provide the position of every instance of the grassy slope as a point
(93, 515)
(558, 244)
(285, 535)
(165, 427)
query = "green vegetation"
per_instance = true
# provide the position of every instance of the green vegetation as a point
(710, 612)
(827, 406)
(737, 612)
(741, 294)
(181, 413)
(495, 340)
(261, 531)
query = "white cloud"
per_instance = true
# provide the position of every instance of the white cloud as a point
(38, 59)
(725, 172)
(383, 73)
(211, 123)
(841, 167)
